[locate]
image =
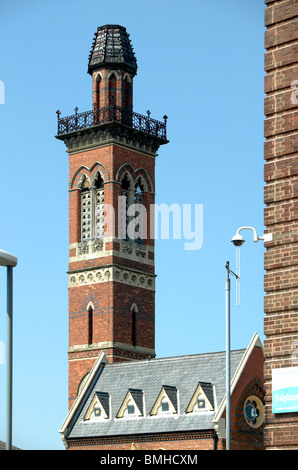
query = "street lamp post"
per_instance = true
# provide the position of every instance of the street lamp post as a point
(238, 241)
(228, 362)
(10, 261)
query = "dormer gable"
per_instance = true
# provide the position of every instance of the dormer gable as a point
(99, 407)
(133, 404)
(202, 399)
(166, 402)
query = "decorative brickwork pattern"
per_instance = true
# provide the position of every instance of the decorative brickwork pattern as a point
(134, 174)
(90, 173)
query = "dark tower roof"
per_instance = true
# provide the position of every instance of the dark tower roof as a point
(111, 46)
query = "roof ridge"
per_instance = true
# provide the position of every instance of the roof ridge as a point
(172, 358)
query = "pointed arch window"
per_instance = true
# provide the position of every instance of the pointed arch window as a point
(86, 210)
(96, 102)
(112, 89)
(99, 207)
(92, 208)
(138, 210)
(126, 201)
(127, 92)
(133, 325)
(90, 324)
(132, 209)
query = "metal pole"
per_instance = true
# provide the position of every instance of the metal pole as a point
(228, 381)
(9, 357)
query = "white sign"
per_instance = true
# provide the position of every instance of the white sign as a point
(285, 390)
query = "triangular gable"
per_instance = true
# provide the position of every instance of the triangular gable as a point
(100, 404)
(135, 397)
(100, 361)
(255, 341)
(203, 393)
(168, 393)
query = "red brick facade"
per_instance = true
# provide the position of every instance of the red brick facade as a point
(112, 318)
(281, 212)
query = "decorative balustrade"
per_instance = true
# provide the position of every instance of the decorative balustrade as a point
(112, 114)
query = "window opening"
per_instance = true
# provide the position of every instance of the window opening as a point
(130, 409)
(99, 207)
(85, 214)
(125, 193)
(133, 326)
(138, 201)
(97, 92)
(126, 93)
(97, 410)
(90, 325)
(112, 90)
(165, 406)
(201, 404)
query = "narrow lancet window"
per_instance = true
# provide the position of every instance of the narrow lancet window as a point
(125, 203)
(112, 89)
(90, 325)
(133, 326)
(139, 213)
(86, 211)
(99, 207)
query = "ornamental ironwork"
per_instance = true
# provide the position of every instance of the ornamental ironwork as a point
(112, 114)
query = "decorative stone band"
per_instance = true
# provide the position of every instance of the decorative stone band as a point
(92, 249)
(112, 274)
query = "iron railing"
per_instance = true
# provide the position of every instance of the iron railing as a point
(110, 114)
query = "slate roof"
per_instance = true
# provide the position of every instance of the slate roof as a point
(111, 45)
(182, 373)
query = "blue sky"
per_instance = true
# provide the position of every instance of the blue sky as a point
(199, 62)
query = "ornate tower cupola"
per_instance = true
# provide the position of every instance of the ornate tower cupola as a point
(112, 152)
(112, 65)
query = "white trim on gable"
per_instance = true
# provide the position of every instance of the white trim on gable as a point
(255, 341)
(99, 361)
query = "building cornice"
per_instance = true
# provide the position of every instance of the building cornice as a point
(111, 134)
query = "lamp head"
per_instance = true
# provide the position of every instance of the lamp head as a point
(238, 240)
(7, 259)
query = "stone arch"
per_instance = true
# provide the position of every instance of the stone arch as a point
(90, 300)
(84, 178)
(113, 72)
(127, 77)
(98, 77)
(134, 302)
(140, 172)
(134, 175)
(90, 173)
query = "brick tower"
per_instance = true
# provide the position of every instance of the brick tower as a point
(112, 153)
(281, 215)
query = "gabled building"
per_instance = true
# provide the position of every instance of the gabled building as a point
(170, 403)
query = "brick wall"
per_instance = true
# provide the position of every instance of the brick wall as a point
(281, 211)
(111, 317)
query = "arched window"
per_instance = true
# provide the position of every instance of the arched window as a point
(132, 209)
(125, 203)
(96, 102)
(127, 101)
(139, 213)
(112, 89)
(133, 325)
(99, 207)
(86, 210)
(92, 208)
(90, 325)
